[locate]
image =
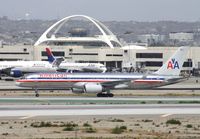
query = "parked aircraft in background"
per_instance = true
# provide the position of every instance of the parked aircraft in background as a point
(69, 66)
(19, 68)
(102, 83)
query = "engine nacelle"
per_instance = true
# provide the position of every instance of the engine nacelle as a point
(77, 90)
(79, 85)
(93, 88)
(16, 73)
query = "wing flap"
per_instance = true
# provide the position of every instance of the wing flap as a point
(116, 84)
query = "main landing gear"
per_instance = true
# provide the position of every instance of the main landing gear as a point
(36, 93)
(106, 94)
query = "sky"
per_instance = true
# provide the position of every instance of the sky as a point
(103, 10)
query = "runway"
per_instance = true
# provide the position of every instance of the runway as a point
(126, 98)
(55, 107)
(30, 111)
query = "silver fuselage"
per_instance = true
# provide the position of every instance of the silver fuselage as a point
(115, 80)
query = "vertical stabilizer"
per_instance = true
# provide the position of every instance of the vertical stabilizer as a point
(174, 64)
(54, 61)
(50, 55)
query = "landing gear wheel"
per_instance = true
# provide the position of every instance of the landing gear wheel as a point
(110, 95)
(99, 95)
(105, 95)
(37, 95)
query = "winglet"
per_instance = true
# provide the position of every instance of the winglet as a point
(174, 64)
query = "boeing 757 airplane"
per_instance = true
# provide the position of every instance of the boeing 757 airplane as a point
(102, 83)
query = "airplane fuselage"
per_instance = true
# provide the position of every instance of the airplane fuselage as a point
(90, 67)
(27, 66)
(78, 80)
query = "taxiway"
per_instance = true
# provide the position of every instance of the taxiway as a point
(30, 111)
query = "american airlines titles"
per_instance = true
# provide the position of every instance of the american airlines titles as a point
(53, 75)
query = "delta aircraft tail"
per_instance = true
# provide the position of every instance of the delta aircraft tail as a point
(174, 64)
(50, 55)
(54, 61)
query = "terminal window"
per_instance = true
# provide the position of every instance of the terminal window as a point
(187, 64)
(57, 53)
(149, 55)
(153, 63)
(83, 53)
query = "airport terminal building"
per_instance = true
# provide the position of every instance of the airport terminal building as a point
(69, 39)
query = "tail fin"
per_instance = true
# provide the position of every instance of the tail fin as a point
(54, 61)
(174, 64)
(50, 55)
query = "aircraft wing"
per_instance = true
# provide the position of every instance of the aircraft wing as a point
(114, 84)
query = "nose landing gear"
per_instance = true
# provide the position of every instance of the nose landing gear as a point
(36, 93)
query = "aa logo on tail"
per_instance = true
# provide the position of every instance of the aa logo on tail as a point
(173, 64)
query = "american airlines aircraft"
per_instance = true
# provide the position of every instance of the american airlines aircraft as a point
(102, 83)
(69, 66)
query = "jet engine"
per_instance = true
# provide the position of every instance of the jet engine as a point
(16, 73)
(93, 88)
